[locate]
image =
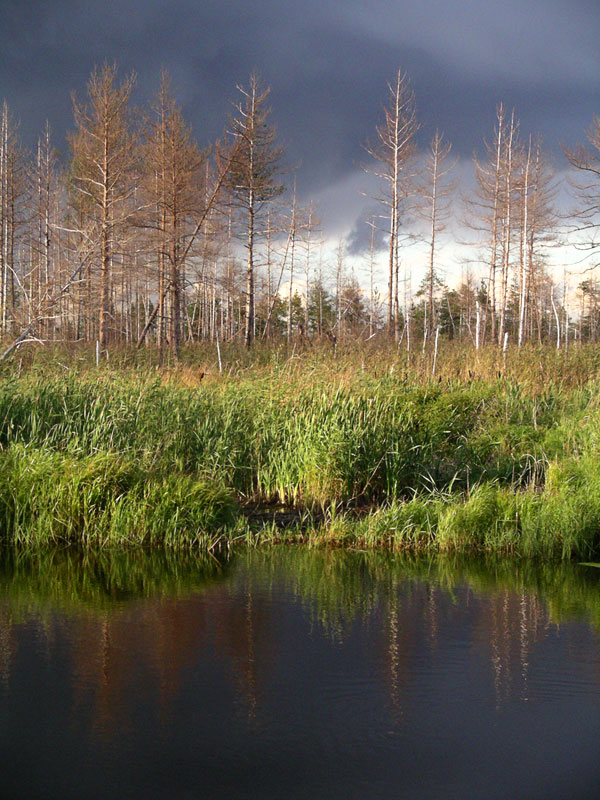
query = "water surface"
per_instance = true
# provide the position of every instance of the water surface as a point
(291, 673)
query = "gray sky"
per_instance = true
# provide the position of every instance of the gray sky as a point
(327, 62)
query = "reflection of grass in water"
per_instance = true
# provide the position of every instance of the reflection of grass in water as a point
(334, 585)
(568, 589)
(98, 580)
(339, 586)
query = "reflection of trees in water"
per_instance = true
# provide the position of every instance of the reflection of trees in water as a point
(8, 643)
(132, 635)
(508, 628)
(397, 635)
(128, 619)
(136, 628)
(245, 637)
(152, 647)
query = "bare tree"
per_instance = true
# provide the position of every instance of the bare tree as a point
(293, 237)
(44, 199)
(436, 192)
(173, 177)
(586, 161)
(252, 177)
(392, 151)
(537, 229)
(495, 213)
(104, 155)
(12, 216)
(311, 223)
(511, 152)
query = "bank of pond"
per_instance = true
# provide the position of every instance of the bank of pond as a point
(363, 461)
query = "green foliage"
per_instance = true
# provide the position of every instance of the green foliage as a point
(52, 498)
(321, 309)
(122, 455)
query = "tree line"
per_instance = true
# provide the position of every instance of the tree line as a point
(144, 237)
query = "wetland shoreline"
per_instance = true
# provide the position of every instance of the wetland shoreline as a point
(310, 450)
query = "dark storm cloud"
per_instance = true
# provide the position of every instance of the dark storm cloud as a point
(327, 62)
(368, 224)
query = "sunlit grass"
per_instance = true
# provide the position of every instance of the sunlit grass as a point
(51, 498)
(366, 447)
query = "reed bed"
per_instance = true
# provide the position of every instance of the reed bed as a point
(51, 498)
(369, 449)
(553, 523)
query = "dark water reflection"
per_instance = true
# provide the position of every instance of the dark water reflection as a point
(296, 674)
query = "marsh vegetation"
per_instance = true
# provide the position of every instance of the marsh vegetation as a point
(498, 453)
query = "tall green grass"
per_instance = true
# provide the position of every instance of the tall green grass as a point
(53, 498)
(289, 441)
(560, 521)
(384, 455)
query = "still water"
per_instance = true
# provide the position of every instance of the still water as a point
(289, 673)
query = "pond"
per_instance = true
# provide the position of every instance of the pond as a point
(297, 673)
